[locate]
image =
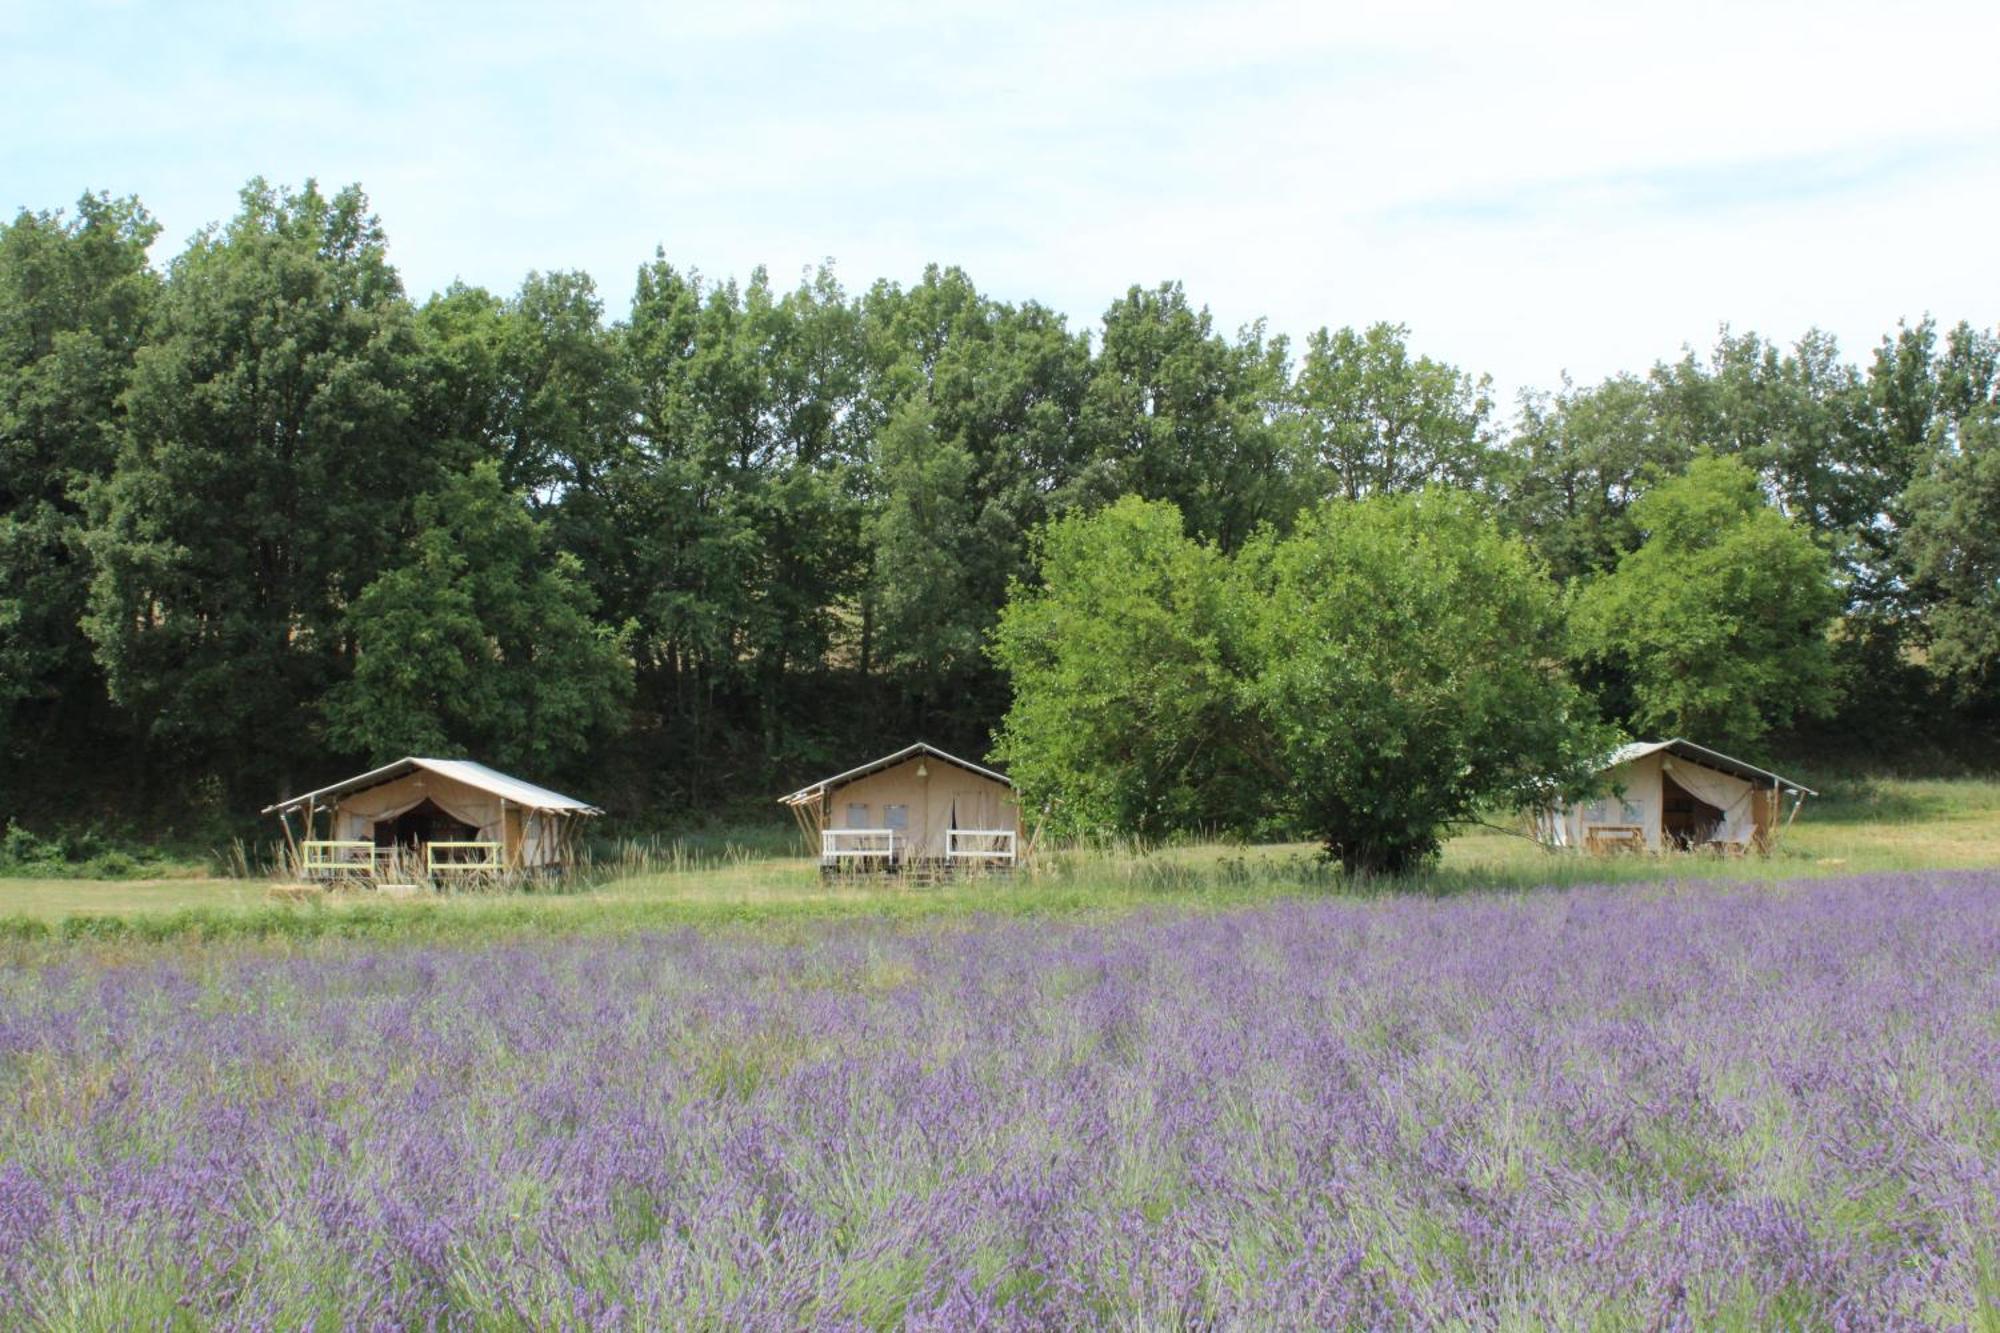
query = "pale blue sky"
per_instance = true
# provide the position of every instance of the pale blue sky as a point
(1531, 187)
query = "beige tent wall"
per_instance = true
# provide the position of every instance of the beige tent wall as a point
(1635, 799)
(541, 838)
(1764, 811)
(981, 802)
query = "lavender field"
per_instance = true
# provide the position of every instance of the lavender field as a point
(1631, 1107)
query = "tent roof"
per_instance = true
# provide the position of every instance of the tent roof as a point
(825, 785)
(1701, 754)
(458, 770)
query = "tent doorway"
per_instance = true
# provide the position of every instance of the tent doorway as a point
(420, 825)
(1685, 819)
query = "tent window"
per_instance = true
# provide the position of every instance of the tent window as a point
(896, 816)
(857, 814)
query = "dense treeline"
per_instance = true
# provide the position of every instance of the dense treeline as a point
(264, 517)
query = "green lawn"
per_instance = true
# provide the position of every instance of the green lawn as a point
(1881, 824)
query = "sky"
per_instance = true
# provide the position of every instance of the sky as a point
(1533, 188)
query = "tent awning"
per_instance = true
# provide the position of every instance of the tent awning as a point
(472, 774)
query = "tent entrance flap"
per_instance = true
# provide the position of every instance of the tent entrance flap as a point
(1685, 819)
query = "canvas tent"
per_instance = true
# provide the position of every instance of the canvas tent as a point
(919, 805)
(431, 814)
(1674, 793)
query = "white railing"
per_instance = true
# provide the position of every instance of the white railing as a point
(979, 844)
(845, 844)
(328, 858)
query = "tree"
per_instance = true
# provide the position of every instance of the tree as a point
(1717, 625)
(1387, 668)
(263, 479)
(920, 531)
(1576, 462)
(1127, 711)
(1407, 670)
(481, 641)
(76, 302)
(979, 448)
(1180, 413)
(1953, 549)
(1379, 423)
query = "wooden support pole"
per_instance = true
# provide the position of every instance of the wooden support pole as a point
(285, 823)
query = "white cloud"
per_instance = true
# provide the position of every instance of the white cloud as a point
(1531, 188)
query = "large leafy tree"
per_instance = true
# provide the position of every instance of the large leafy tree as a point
(262, 480)
(1379, 422)
(536, 383)
(1577, 461)
(1800, 418)
(922, 530)
(1387, 668)
(1952, 549)
(739, 511)
(980, 447)
(1407, 668)
(480, 641)
(1177, 412)
(690, 565)
(76, 303)
(1717, 625)
(1125, 659)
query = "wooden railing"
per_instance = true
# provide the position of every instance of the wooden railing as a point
(333, 858)
(464, 858)
(850, 844)
(979, 844)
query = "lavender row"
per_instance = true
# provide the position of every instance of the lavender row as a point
(1683, 1107)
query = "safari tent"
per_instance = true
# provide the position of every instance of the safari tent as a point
(434, 817)
(1676, 794)
(917, 807)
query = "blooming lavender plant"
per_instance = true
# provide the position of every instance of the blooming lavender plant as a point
(1676, 1107)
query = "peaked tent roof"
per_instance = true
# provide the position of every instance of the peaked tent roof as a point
(1701, 754)
(887, 761)
(458, 770)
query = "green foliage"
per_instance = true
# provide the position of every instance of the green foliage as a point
(1389, 667)
(1717, 625)
(84, 855)
(1126, 679)
(981, 448)
(1378, 423)
(919, 532)
(261, 482)
(76, 301)
(1407, 665)
(480, 642)
(1953, 549)
(1177, 412)
(802, 507)
(1579, 459)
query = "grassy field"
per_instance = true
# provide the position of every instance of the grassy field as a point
(1881, 824)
